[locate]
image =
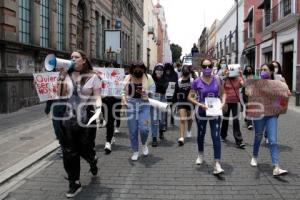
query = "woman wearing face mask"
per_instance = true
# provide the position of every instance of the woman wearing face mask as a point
(184, 108)
(81, 86)
(158, 119)
(207, 86)
(268, 123)
(221, 68)
(138, 85)
(232, 86)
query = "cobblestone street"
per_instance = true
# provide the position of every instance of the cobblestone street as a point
(169, 172)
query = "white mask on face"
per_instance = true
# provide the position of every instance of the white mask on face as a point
(276, 70)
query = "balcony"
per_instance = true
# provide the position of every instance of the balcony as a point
(279, 17)
(248, 37)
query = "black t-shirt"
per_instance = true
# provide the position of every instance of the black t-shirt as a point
(135, 90)
(183, 88)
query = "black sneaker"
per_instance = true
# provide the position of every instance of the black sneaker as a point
(74, 189)
(154, 142)
(223, 139)
(161, 135)
(93, 166)
(241, 145)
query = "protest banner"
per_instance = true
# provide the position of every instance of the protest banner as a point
(111, 81)
(266, 98)
(46, 85)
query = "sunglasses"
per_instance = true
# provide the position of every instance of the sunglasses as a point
(206, 66)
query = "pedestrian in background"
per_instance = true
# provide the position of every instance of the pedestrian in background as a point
(138, 84)
(183, 106)
(158, 118)
(172, 79)
(81, 86)
(207, 86)
(178, 69)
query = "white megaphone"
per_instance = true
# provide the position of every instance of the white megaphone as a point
(51, 63)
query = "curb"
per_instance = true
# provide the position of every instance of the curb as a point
(27, 162)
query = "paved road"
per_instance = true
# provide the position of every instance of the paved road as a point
(169, 171)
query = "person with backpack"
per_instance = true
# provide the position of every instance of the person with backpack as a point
(138, 85)
(81, 88)
(207, 86)
(184, 107)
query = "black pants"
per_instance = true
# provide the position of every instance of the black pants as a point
(77, 141)
(233, 107)
(112, 104)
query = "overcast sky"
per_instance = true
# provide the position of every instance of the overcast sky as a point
(186, 18)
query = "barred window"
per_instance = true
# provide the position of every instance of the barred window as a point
(44, 23)
(98, 35)
(80, 25)
(24, 21)
(60, 24)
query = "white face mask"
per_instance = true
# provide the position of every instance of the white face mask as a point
(276, 70)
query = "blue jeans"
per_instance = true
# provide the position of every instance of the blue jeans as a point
(138, 115)
(270, 124)
(214, 123)
(158, 118)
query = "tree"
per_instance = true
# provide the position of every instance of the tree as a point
(176, 52)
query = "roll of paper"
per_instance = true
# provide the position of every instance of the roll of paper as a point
(160, 105)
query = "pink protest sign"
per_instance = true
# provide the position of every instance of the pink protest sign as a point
(266, 98)
(46, 85)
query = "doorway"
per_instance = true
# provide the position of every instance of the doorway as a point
(288, 63)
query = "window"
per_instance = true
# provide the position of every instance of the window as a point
(60, 24)
(102, 31)
(287, 7)
(80, 25)
(44, 23)
(24, 21)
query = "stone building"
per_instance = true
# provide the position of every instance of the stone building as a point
(31, 29)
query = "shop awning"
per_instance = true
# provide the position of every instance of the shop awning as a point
(249, 16)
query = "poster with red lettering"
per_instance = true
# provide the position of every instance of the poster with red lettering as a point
(46, 85)
(111, 81)
(266, 98)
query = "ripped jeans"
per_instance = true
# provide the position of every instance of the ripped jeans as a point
(138, 121)
(214, 123)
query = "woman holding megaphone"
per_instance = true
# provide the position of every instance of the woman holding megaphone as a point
(81, 86)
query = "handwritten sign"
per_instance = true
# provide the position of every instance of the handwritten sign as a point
(266, 98)
(112, 81)
(46, 85)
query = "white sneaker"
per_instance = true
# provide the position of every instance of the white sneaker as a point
(117, 130)
(107, 148)
(253, 162)
(267, 141)
(199, 159)
(189, 134)
(135, 156)
(145, 150)
(181, 141)
(217, 168)
(278, 172)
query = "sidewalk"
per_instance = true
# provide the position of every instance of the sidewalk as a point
(26, 136)
(169, 171)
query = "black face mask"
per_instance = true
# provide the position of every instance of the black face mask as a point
(138, 74)
(185, 73)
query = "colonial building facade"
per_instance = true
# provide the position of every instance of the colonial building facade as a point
(29, 30)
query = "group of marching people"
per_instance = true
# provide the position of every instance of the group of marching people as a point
(184, 88)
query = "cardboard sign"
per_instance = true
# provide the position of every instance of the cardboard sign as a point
(112, 81)
(46, 85)
(266, 98)
(234, 70)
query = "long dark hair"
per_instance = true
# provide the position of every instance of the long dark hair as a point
(271, 68)
(279, 66)
(137, 64)
(87, 67)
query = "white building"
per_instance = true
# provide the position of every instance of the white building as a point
(225, 42)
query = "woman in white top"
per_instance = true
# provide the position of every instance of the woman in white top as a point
(81, 86)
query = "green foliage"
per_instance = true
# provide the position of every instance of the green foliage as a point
(176, 52)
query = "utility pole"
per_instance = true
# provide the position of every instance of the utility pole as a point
(237, 33)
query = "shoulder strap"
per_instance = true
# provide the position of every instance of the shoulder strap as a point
(234, 90)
